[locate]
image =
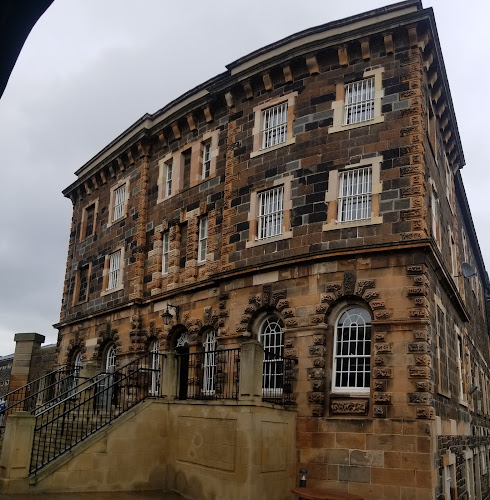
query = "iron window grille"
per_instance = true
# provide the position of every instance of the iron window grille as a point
(119, 202)
(206, 160)
(114, 270)
(203, 239)
(165, 254)
(168, 179)
(272, 338)
(352, 351)
(209, 366)
(274, 125)
(271, 205)
(355, 189)
(359, 101)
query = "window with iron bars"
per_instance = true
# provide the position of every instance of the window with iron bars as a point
(272, 338)
(355, 188)
(114, 270)
(209, 367)
(352, 351)
(165, 255)
(270, 220)
(206, 160)
(359, 101)
(119, 202)
(203, 239)
(274, 125)
(168, 181)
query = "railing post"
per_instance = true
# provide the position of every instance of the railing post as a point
(15, 459)
(169, 376)
(251, 367)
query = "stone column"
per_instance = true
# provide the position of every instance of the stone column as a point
(15, 459)
(27, 345)
(251, 366)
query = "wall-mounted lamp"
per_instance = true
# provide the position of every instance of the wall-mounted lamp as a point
(473, 389)
(167, 317)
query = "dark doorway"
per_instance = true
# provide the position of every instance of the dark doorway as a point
(182, 350)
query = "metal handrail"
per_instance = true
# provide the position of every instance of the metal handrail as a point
(77, 416)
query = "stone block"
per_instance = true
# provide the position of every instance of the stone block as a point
(354, 474)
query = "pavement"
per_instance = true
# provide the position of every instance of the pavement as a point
(108, 495)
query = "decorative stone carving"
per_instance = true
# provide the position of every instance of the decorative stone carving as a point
(379, 360)
(316, 397)
(316, 319)
(417, 347)
(418, 313)
(319, 340)
(418, 372)
(319, 362)
(363, 285)
(289, 342)
(379, 411)
(291, 323)
(255, 299)
(379, 385)
(315, 373)
(421, 398)
(317, 411)
(425, 412)
(291, 353)
(282, 304)
(421, 335)
(335, 288)
(422, 359)
(380, 337)
(377, 304)
(420, 281)
(382, 372)
(417, 290)
(371, 294)
(250, 309)
(276, 296)
(421, 302)
(327, 298)
(321, 309)
(349, 282)
(349, 406)
(317, 350)
(382, 314)
(241, 328)
(383, 348)
(207, 315)
(266, 293)
(382, 397)
(423, 385)
(318, 385)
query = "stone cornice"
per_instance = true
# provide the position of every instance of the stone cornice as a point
(300, 45)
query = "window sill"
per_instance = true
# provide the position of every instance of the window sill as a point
(462, 402)
(288, 142)
(329, 226)
(109, 224)
(352, 394)
(284, 236)
(446, 394)
(340, 128)
(112, 290)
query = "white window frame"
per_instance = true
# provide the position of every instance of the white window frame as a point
(271, 336)
(355, 195)
(209, 364)
(203, 239)
(274, 125)
(165, 252)
(363, 336)
(435, 211)
(114, 279)
(359, 101)
(271, 213)
(206, 160)
(119, 202)
(168, 178)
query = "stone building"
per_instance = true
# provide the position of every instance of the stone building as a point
(5, 369)
(309, 198)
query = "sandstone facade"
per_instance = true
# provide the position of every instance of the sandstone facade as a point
(175, 211)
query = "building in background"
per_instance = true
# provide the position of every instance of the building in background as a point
(5, 368)
(309, 199)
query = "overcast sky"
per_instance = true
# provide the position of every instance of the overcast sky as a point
(90, 68)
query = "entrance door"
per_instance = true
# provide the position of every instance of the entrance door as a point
(182, 348)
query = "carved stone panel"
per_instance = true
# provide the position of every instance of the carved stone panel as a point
(349, 406)
(349, 282)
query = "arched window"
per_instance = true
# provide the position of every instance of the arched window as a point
(77, 363)
(352, 351)
(272, 338)
(209, 365)
(110, 359)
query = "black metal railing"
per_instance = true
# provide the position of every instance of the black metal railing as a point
(38, 393)
(209, 375)
(277, 379)
(71, 420)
